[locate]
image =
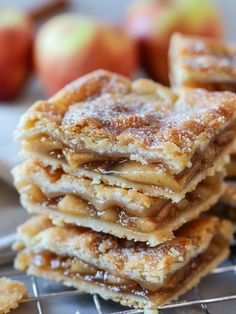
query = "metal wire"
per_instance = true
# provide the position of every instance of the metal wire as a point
(36, 294)
(203, 305)
(97, 304)
(38, 298)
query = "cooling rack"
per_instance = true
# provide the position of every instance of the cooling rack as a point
(217, 292)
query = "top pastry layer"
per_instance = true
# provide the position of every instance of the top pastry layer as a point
(203, 62)
(106, 114)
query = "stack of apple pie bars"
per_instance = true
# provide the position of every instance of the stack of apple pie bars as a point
(118, 173)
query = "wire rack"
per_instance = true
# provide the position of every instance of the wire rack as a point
(95, 304)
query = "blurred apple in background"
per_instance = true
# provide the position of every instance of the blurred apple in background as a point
(69, 46)
(152, 22)
(15, 50)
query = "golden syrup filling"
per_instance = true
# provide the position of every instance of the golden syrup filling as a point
(54, 174)
(74, 205)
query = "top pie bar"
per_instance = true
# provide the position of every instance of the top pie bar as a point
(106, 114)
(202, 62)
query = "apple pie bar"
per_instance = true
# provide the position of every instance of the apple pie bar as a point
(135, 135)
(125, 271)
(12, 292)
(114, 210)
(202, 62)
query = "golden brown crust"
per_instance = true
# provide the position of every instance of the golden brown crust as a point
(11, 294)
(139, 123)
(150, 267)
(204, 62)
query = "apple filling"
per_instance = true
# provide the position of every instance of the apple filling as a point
(55, 182)
(153, 174)
(168, 213)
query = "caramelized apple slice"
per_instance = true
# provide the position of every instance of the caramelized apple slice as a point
(154, 174)
(73, 205)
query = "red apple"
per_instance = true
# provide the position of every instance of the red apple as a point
(15, 50)
(152, 22)
(69, 46)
